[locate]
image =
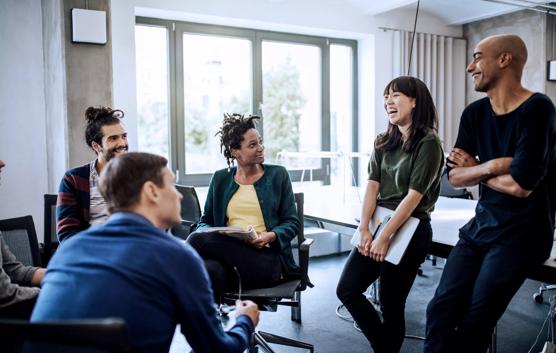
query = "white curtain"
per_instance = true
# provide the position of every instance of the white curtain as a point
(439, 61)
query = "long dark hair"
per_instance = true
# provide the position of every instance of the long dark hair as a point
(231, 133)
(423, 117)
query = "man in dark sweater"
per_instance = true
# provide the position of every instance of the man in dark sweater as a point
(506, 144)
(131, 268)
(80, 204)
(18, 283)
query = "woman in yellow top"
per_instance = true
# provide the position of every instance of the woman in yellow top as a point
(253, 193)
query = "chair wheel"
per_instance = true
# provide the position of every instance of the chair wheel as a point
(538, 298)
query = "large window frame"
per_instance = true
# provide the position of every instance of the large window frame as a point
(176, 29)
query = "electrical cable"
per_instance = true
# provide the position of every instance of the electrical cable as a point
(413, 37)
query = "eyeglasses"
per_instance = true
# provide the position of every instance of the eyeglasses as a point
(239, 283)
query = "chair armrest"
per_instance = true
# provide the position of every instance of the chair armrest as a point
(304, 263)
(306, 244)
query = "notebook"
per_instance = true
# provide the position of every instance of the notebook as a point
(400, 239)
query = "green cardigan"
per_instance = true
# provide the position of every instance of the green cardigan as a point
(274, 191)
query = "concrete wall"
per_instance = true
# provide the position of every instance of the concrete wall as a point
(88, 80)
(22, 120)
(55, 92)
(529, 25)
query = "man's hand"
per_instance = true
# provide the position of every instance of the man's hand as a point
(262, 239)
(460, 158)
(247, 307)
(364, 246)
(379, 248)
(38, 276)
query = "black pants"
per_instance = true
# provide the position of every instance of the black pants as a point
(258, 268)
(21, 310)
(476, 286)
(395, 283)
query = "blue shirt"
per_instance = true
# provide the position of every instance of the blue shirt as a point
(130, 269)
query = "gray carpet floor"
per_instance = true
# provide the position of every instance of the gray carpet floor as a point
(517, 330)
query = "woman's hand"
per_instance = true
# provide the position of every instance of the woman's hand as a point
(364, 245)
(262, 239)
(379, 248)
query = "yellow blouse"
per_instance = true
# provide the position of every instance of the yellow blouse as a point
(244, 209)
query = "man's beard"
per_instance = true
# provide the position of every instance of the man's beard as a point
(111, 153)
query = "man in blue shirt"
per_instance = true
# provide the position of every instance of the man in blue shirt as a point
(131, 268)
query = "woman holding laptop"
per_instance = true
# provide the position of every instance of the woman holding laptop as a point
(251, 194)
(404, 176)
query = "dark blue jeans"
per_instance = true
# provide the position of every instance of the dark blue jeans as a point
(476, 286)
(395, 283)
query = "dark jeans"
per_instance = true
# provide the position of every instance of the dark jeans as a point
(476, 286)
(21, 310)
(259, 268)
(395, 282)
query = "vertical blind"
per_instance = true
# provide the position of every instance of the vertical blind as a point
(439, 61)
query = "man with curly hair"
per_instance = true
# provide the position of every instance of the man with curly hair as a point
(80, 203)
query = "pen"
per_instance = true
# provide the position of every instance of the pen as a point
(377, 228)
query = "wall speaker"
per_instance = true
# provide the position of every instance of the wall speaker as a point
(551, 70)
(88, 26)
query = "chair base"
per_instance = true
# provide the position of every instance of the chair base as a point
(262, 339)
(538, 297)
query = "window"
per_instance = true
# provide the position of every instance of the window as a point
(151, 51)
(216, 79)
(291, 97)
(303, 86)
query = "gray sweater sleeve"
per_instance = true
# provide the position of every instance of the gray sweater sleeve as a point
(13, 274)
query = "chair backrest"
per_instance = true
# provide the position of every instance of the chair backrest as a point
(21, 237)
(50, 237)
(76, 336)
(190, 212)
(446, 189)
(190, 207)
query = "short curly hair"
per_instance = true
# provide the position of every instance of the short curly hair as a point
(231, 133)
(96, 118)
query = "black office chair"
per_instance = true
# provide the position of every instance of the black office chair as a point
(287, 293)
(50, 237)
(544, 287)
(190, 212)
(76, 336)
(21, 237)
(447, 190)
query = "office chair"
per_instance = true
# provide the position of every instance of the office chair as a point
(287, 293)
(50, 237)
(21, 237)
(76, 336)
(447, 190)
(538, 296)
(190, 212)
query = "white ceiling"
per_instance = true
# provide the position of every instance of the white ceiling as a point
(453, 12)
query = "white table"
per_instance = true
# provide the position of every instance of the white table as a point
(342, 207)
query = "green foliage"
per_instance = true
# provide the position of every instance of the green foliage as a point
(196, 132)
(153, 128)
(283, 101)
